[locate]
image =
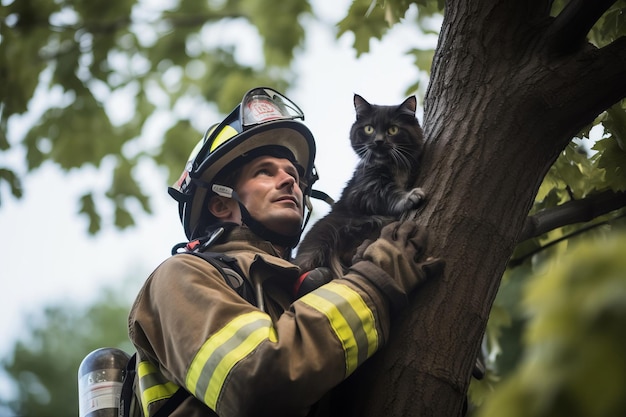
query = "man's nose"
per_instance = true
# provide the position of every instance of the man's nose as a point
(286, 180)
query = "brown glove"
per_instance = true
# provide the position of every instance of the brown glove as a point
(399, 252)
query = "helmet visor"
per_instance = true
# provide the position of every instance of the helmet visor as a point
(261, 105)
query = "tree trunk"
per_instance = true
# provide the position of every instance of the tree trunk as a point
(505, 98)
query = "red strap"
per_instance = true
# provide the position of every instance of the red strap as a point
(298, 283)
(192, 245)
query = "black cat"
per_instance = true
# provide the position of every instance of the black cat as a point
(389, 142)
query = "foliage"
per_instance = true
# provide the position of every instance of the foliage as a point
(83, 56)
(573, 362)
(44, 366)
(368, 20)
(164, 59)
(579, 171)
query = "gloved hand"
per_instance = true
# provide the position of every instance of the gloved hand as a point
(399, 251)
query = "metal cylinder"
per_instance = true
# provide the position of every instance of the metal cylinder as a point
(100, 377)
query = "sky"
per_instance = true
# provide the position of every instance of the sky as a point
(46, 255)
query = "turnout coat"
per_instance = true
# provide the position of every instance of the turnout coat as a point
(192, 330)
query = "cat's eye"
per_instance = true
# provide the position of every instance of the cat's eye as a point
(393, 130)
(368, 129)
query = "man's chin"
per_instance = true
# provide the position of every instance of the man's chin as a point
(286, 227)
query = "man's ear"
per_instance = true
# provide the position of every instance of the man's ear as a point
(221, 207)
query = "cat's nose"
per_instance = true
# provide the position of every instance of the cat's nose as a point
(379, 140)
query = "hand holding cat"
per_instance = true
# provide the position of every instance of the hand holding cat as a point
(400, 253)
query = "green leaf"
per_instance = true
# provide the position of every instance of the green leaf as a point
(88, 208)
(610, 26)
(169, 50)
(423, 58)
(363, 26)
(104, 15)
(613, 160)
(20, 61)
(551, 190)
(574, 168)
(78, 134)
(179, 141)
(281, 32)
(573, 175)
(615, 123)
(123, 190)
(4, 142)
(123, 218)
(13, 180)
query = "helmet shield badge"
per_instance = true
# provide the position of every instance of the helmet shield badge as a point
(263, 105)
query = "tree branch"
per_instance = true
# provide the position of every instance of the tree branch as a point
(519, 260)
(588, 82)
(571, 26)
(609, 67)
(574, 211)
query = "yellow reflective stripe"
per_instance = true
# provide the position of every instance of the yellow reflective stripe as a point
(226, 133)
(222, 351)
(156, 393)
(350, 318)
(152, 385)
(144, 368)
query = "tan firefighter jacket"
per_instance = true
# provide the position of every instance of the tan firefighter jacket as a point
(192, 330)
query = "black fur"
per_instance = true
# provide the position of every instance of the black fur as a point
(389, 142)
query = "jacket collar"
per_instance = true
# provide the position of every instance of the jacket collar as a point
(241, 239)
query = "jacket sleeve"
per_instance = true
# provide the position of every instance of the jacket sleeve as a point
(235, 359)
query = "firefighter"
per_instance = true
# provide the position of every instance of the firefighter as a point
(245, 193)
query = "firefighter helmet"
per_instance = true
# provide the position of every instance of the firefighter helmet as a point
(265, 122)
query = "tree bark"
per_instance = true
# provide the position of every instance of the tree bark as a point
(505, 98)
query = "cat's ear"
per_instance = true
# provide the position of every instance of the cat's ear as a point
(409, 105)
(361, 105)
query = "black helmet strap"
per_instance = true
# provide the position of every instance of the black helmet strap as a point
(256, 226)
(260, 230)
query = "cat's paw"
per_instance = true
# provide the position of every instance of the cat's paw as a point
(416, 197)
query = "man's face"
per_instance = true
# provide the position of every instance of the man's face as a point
(269, 188)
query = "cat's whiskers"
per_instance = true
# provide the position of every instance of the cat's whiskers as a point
(409, 151)
(402, 159)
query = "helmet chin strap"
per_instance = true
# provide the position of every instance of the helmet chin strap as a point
(256, 226)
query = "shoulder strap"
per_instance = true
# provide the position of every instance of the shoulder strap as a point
(173, 402)
(231, 272)
(126, 395)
